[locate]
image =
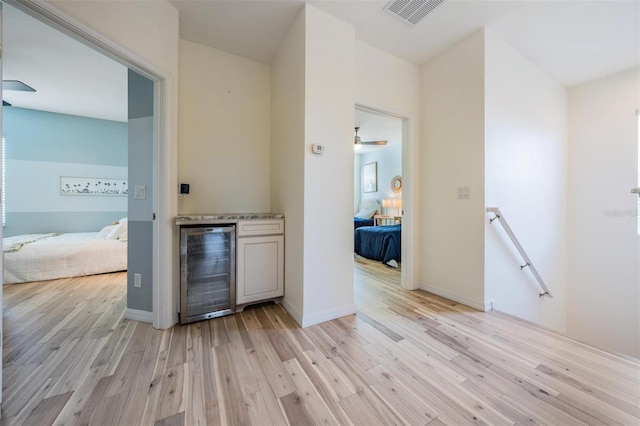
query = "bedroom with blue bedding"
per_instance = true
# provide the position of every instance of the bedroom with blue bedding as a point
(380, 243)
(377, 187)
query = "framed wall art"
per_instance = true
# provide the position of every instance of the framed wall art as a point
(71, 185)
(370, 177)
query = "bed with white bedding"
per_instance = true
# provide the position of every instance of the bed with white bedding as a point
(40, 257)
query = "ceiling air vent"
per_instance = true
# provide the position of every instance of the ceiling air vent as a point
(411, 11)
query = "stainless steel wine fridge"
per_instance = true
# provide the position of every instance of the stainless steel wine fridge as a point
(207, 272)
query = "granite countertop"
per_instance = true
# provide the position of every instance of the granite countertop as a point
(225, 217)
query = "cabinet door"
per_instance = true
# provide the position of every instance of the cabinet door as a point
(260, 268)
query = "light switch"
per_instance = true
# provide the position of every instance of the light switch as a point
(140, 192)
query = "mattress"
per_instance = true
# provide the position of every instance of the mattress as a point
(52, 256)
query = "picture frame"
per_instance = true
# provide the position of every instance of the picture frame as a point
(370, 177)
(72, 185)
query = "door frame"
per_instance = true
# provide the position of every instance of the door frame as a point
(409, 279)
(164, 316)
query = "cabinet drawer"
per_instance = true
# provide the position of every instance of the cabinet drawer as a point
(247, 228)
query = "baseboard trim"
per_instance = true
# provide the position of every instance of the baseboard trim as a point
(138, 315)
(481, 306)
(329, 315)
(292, 311)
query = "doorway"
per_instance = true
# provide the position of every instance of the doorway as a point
(151, 191)
(383, 156)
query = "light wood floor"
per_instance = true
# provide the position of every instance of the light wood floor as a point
(404, 358)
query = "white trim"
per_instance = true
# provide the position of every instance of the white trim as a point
(3, 207)
(138, 315)
(164, 315)
(329, 315)
(483, 306)
(292, 311)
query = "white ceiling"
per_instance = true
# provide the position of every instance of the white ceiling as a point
(572, 40)
(69, 77)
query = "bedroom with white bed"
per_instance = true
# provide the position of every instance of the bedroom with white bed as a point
(66, 196)
(65, 156)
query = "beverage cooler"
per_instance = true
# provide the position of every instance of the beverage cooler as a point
(207, 272)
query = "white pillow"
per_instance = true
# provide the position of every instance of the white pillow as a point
(366, 213)
(104, 232)
(121, 227)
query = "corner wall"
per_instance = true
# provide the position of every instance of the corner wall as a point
(312, 102)
(526, 177)
(287, 158)
(604, 247)
(452, 155)
(329, 118)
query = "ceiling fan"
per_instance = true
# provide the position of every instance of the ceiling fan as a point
(15, 85)
(358, 143)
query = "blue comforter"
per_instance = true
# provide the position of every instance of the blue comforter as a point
(378, 242)
(358, 222)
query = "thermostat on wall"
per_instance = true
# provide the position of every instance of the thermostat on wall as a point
(317, 148)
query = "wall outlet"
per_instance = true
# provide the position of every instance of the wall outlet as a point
(137, 280)
(464, 193)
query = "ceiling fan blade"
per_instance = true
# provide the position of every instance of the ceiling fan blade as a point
(374, 142)
(16, 85)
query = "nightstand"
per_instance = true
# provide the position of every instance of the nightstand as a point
(382, 220)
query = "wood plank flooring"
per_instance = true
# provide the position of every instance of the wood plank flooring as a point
(405, 358)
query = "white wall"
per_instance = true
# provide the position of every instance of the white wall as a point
(391, 84)
(328, 178)
(604, 254)
(525, 176)
(225, 120)
(312, 102)
(287, 158)
(389, 161)
(385, 81)
(452, 155)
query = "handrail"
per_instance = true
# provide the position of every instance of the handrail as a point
(528, 263)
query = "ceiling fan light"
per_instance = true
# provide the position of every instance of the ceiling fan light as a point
(357, 146)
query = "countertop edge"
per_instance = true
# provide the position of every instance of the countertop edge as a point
(215, 218)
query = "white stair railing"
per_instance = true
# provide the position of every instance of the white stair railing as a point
(527, 261)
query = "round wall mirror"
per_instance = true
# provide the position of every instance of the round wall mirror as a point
(396, 184)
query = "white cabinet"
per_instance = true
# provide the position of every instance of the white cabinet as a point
(260, 260)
